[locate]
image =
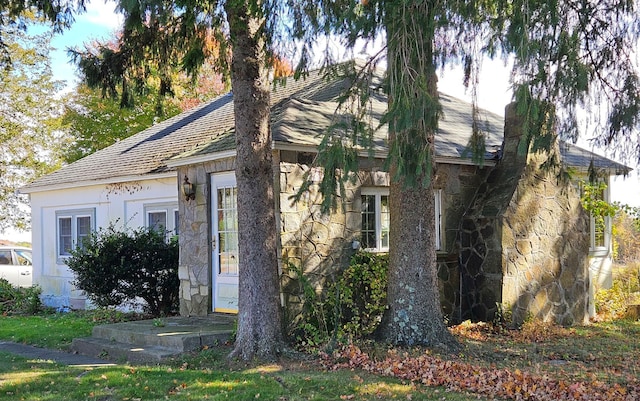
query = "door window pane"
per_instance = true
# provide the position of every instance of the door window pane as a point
(5, 257)
(227, 231)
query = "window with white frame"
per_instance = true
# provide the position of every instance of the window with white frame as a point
(600, 226)
(374, 230)
(72, 227)
(375, 219)
(162, 217)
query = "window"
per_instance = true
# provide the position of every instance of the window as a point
(72, 228)
(375, 219)
(5, 257)
(163, 218)
(599, 227)
(595, 199)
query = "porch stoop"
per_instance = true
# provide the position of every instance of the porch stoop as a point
(151, 341)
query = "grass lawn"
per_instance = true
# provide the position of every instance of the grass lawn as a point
(22, 379)
(200, 376)
(605, 353)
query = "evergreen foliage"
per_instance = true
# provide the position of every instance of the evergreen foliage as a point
(16, 15)
(114, 267)
(159, 39)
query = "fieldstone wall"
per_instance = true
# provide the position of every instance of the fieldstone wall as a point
(320, 245)
(194, 268)
(458, 184)
(524, 242)
(313, 243)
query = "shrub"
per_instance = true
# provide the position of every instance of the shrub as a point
(18, 300)
(114, 267)
(363, 293)
(612, 303)
(352, 306)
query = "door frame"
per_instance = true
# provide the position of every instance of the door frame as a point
(221, 180)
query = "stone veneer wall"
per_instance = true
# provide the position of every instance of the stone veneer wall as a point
(505, 257)
(318, 245)
(322, 244)
(194, 267)
(458, 184)
(524, 242)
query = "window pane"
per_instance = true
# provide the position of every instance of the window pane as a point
(176, 219)
(83, 229)
(64, 235)
(599, 230)
(368, 229)
(384, 221)
(227, 231)
(5, 257)
(24, 257)
(158, 221)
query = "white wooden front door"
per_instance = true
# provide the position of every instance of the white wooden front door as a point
(224, 244)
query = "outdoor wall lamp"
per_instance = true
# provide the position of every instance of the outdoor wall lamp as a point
(188, 189)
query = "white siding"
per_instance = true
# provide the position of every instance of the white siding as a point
(121, 204)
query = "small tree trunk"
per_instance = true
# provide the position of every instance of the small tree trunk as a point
(414, 315)
(259, 334)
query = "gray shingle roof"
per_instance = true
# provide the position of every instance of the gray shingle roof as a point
(301, 111)
(148, 151)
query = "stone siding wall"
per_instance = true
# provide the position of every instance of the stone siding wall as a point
(194, 268)
(313, 243)
(320, 245)
(545, 251)
(458, 184)
(524, 241)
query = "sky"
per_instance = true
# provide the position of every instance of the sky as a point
(101, 22)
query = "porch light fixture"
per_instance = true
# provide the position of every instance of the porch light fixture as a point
(188, 189)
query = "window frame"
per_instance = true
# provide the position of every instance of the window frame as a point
(171, 213)
(378, 193)
(594, 248)
(73, 215)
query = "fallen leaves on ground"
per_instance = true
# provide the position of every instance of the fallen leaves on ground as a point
(490, 382)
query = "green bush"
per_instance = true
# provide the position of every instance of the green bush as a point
(19, 300)
(352, 306)
(114, 267)
(363, 293)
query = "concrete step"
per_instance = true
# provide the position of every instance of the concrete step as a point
(155, 340)
(121, 352)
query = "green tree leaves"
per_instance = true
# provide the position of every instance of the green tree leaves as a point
(29, 122)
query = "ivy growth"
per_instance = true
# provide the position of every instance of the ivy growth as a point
(349, 308)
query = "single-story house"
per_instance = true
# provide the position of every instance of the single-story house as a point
(509, 232)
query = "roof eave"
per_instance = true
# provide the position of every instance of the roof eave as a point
(81, 184)
(190, 160)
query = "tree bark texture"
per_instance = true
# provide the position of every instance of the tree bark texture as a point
(414, 315)
(259, 334)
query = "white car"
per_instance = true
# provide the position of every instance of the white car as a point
(16, 266)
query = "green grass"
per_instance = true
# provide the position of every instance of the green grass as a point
(605, 351)
(56, 330)
(200, 376)
(51, 331)
(22, 379)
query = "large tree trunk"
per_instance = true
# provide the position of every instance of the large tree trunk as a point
(259, 334)
(414, 315)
